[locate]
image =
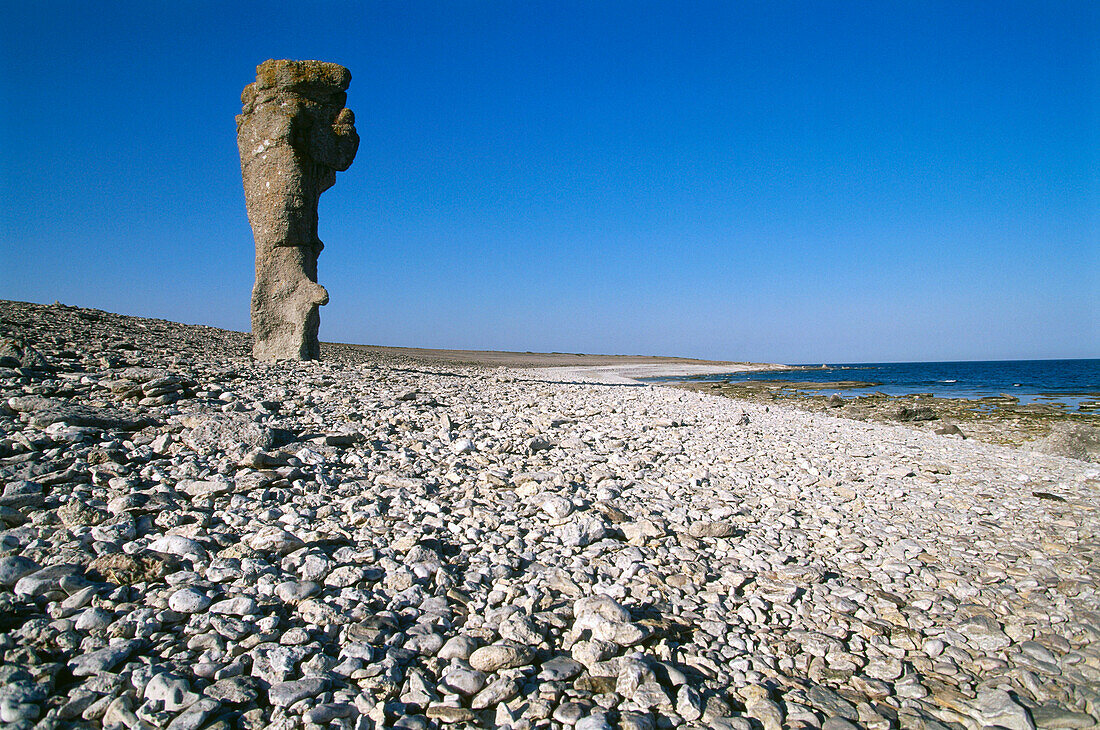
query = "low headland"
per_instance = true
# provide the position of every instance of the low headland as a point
(190, 538)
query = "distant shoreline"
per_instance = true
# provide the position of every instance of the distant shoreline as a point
(640, 373)
(560, 366)
(657, 366)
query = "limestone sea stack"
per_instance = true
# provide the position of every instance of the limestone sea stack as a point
(294, 133)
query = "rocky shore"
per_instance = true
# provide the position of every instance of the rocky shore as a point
(994, 419)
(193, 539)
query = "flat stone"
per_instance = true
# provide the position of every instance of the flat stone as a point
(984, 633)
(178, 545)
(464, 681)
(284, 694)
(595, 721)
(326, 713)
(560, 668)
(103, 660)
(704, 528)
(14, 567)
(501, 690)
(194, 716)
(1054, 717)
(233, 690)
(79, 415)
(237, 606)
(296, 591)
(569, 713)
(637, 721)
(884, 669)
(206, 487)
(449, 714)
(46, 580)
(425, 644)
(213, 432)
(20, 494)
(831, 703)
(997, 707)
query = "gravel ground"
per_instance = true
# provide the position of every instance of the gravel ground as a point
(192, 539)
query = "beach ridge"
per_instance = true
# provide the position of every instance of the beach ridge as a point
(374, 536)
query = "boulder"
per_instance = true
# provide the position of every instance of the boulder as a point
(1074, 440)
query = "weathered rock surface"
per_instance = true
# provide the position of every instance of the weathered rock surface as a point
(1075, 440)
(301, 544)
(293, 134)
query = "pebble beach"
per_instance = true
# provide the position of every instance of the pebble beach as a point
(193, 539)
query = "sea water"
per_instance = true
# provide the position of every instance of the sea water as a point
(1068, 383)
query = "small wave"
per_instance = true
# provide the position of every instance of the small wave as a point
(948, 381)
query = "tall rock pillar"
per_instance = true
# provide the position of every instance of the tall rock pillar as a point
(294, 134)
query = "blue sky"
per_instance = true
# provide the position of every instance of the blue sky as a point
(778, 181)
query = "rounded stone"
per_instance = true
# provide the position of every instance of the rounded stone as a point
(501, 656)
(14, 567)
(188, 600)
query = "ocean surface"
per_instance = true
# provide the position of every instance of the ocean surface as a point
(1072, 384)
